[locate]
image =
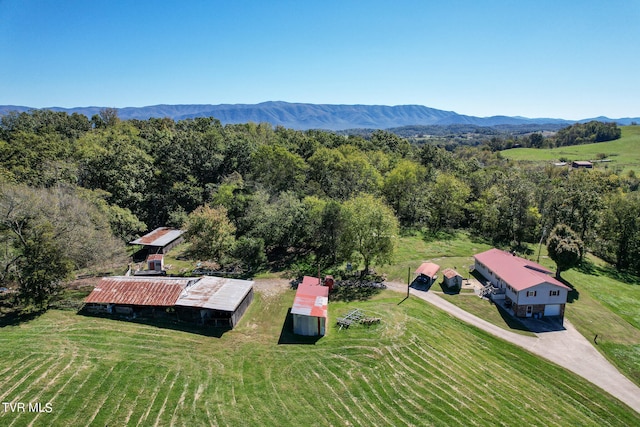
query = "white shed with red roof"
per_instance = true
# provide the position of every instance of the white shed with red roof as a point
(310, 308)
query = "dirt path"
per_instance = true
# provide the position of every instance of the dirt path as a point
(567, 348)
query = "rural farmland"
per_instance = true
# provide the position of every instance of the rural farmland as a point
(622, 155)
(419, 366)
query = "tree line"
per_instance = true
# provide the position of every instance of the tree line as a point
(250, 193)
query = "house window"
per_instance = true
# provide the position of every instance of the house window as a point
(531, 293)
(554, 293)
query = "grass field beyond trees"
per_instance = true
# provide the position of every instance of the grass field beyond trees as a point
(420, 366)
(623, 153)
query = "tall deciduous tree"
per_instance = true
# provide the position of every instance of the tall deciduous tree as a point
(405, 190)
(565, 248)
(447, 198)
(620, 230)
(210, 232)
(47, 233)
(370, 229)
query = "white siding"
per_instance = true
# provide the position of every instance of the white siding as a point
(308, 325)
(488, 274)
(542, 295)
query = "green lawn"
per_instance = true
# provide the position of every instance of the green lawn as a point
(420, 366)
(447, 251)
(624, 153)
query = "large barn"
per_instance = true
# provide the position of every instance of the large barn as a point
(212, 301)
(529, 288)
(310, 308)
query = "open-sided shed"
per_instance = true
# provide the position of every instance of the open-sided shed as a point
(310, 308)
(427, 272)
(214, 301)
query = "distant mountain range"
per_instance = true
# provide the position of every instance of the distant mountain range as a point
(318, 116)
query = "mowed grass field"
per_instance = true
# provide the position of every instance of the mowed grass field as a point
(624, 153)
(419, 366)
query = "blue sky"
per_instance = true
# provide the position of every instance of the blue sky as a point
(561, 58)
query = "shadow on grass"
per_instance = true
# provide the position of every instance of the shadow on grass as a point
(15, 318)
(207, 331)
(288, 337)
(588, 267)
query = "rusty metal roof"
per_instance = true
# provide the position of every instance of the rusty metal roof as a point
(136, 290)
(311, 299)
(155, 257)
(159, 237)
(216, 293)
(429, 269)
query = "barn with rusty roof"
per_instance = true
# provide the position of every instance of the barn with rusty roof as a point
(212, 301)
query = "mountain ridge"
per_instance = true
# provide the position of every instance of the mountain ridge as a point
(304, 116)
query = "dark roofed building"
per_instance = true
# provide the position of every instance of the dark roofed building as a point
(581, 164)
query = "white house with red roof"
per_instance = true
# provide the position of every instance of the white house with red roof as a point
(528, 287)
(310, 308)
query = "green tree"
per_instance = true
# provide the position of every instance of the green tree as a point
(42, 266)
(565, 248)
(117, 162)
(370, 229)
(46, 234)
(279, 221)
(277, 169)
(343, 172)
(250, 252)
(209, 232)
(619, 230)
(405, 190)
(447, 199)
(324, 222)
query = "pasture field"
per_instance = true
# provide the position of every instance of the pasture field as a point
(624, 153)
(419, 366)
